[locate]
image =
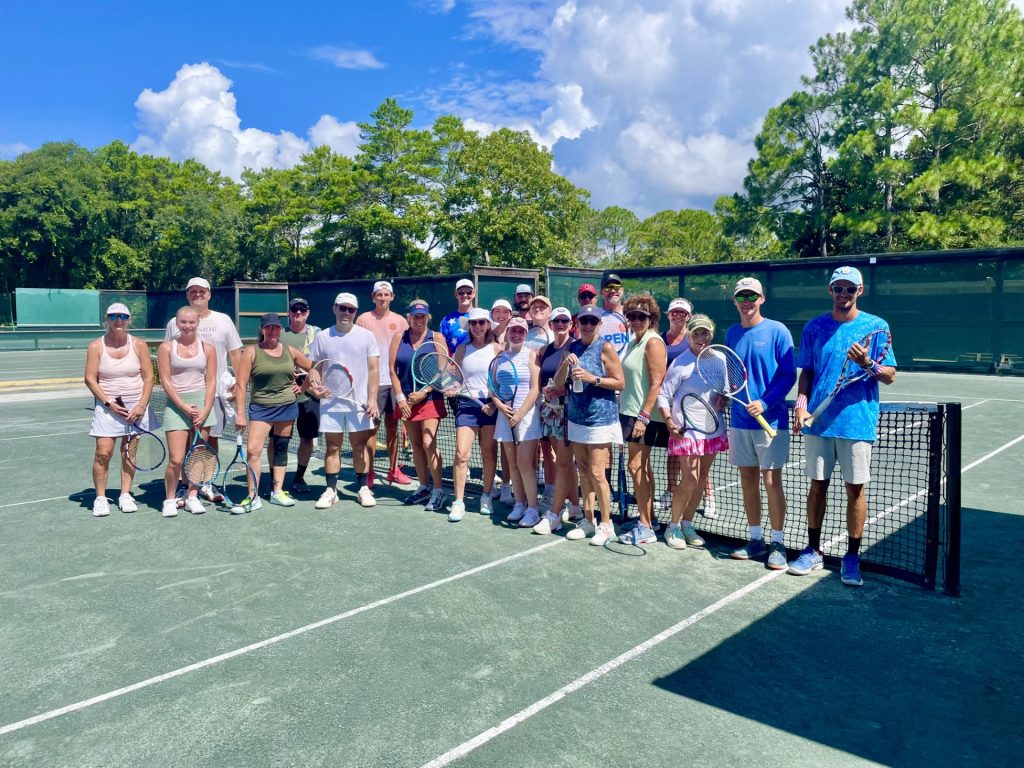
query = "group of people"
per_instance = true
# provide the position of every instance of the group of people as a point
(606, 377)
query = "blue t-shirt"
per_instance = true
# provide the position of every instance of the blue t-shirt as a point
(454, 334)
(767, 351)
(823, 347)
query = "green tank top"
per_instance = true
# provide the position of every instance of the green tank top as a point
(272, 378)
(638, 381)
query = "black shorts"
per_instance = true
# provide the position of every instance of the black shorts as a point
(656, 434)
(308, 422)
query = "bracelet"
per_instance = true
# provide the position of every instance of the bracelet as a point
(801, 402)
(643, 418)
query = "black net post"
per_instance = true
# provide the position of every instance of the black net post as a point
(954, 425)
(933, 514)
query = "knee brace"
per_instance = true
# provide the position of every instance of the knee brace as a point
(280, 449)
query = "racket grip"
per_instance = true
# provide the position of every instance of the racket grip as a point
(766, 426)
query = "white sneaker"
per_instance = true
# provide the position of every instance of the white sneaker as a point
(247, 505)
(169, 508)
(485, 505)
(709, 508)
(366, 497)
(664, 501)
(530, 518)
(571, 512)
(100, 507)
(193, 505)
(506, 497)
(583, 529)
(437, 499)
(517, 512)
(126, 503)
(327, 498)
(603, 533)
(211, 494)
(282, 499)
(548, 524)
(456, 511)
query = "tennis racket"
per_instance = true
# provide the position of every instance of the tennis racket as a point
(141, 448)
(614, 329)
(503, 381)
(724, 372)
(202, 465)
(334, 381)
(238, 483)
(694, 412)
(536, 338)
(439, 371)
(878, 344)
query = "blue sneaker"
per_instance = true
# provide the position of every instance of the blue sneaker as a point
(777, 556)
(641, 534)
(418, 496)
(693, 539)
(850, 572)
(808, 560)
(751, 550)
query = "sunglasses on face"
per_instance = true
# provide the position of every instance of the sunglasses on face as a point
(560, 320)
(464, 293)
(586, 296)
(479, 322)
(299, 310)
(633, 316)
(839, 290)
(588, 321)
(345, 310)
(612, 288)
(742, 297)
(117, 316)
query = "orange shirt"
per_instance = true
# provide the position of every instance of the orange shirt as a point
(383, 329)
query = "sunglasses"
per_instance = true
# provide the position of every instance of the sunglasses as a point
(118, 316)
(585, 296)
(560, 320)
(299, 310)
(345, 310)
(742, 297)
(588, 321)
(464, 293)
(479, 322)
(839, 290)
(612, 287)
(631, 316)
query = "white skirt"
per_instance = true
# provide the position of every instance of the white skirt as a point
(345, 422)
(529, 428)
(105, 423)
(599, 435)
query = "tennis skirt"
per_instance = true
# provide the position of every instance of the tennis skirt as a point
(175, 420)
(431, 408)
(697, 445)
(527, 429)
(274, 413)
(106, 423)
(599, 435)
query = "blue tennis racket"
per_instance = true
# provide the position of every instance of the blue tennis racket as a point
(503, 381)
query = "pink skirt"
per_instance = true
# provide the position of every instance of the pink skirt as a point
(697, 446)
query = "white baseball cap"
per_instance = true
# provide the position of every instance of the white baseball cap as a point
(560, 312)
(382, 285)
(118, 308)
(346, 300)
(198, 281)
(464, 283)
(683, 304)
(476, 313)
(503, 303)
(748, 284)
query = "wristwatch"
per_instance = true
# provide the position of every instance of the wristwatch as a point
(106, 404)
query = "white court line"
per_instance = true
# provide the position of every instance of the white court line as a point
(41, 423)
(34, 501)
(33, 437)
(525, 714)
(80, 705)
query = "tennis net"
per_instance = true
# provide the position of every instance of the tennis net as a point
(913, 526)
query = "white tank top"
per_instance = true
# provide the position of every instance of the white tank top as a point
(121, 376)
(475, 364)
(188, 374)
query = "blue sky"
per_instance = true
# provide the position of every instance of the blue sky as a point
(649, 104)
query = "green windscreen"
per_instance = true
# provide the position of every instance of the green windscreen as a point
(490, 288)
(136, 301)
(54, 307)
(563, 285)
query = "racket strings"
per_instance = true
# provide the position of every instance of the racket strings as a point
(721, 372)
(201, 465)
(144, 451)
(698, 414)
(505, 381)
(335, 379)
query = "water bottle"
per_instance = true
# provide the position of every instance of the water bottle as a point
(577, 384)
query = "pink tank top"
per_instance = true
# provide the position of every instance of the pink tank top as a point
(188, 374)
(121, 376)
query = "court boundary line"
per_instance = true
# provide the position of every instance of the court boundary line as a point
(195, 666)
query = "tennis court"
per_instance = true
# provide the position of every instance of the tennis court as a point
(390, 637)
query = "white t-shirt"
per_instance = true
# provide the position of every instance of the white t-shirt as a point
(353, 350)
(217, 329)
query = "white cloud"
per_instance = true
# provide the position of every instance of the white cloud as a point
(346, 58)
(196, 117)
(11, 151)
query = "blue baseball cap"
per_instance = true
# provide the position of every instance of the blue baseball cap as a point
(850, 274)
(419, 308)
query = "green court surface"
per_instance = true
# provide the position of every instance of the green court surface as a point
(390, 637)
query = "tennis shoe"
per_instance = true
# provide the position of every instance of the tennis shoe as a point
(327, 499)
(549, 523)
(709, 510)
(583, 529)
(100, 507)
(365, 496)
(693, 539)
(495, 491)
(674, 536)
(194, 505)
(663, 502)
(282, 499)
(571, 512)
(640, 534)
(530, 518)
(485, 505)
(752, 550)
(456, 511)
(211, 494)
(437, 499)
(604, 533)
(777, 556)
(506, 497)
(169, 508)
(517, 512)
(544, 502)
(849, 574)
(397, 477)
(180, 495)
(126, 503)
(248, 504)
(808, 560)
(418, 496)
(299, 488)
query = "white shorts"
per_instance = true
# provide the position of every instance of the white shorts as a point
(822, 453)
(753, 448)
(529, 428)
(217, 430)
(345, 421)
(105, 423)
(599, 435)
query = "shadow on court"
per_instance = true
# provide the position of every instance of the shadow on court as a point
(888, 672)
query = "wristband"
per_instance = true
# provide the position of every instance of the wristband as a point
(400, 398)
(643, 418)
(874, 370)
(801, 402)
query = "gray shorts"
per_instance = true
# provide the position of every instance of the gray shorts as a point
(385, 404)
(753, 448)
(822, 453)
(217, 430)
